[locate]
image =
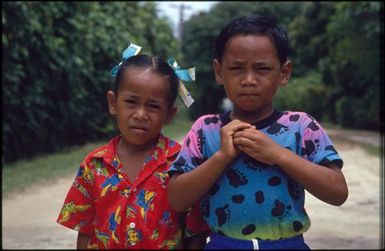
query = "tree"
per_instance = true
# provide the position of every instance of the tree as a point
(199, 34)
(57, 58)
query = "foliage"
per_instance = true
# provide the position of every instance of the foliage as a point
(352, 69)
(198, 42)
(336, 57)
(306, 94)
(57, 58)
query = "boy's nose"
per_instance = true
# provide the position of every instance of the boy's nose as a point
(249, 78)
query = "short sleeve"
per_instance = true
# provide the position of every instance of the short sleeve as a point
(191, 153)
(317, 147)
(78, 209)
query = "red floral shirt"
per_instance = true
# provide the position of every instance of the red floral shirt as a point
(104, 204)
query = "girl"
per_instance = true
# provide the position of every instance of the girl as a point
(118, 199)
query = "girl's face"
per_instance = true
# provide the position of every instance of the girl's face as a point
(141, 106)
(251, 74)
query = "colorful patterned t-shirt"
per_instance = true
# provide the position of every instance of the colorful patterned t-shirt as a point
(117, 213)
(252, 199)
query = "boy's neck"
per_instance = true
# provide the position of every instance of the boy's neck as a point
(251, 117)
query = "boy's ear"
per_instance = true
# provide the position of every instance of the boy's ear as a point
(111, 98)
(218, 72)
(171, 114)
(286, 70)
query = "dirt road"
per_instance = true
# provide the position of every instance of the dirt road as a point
(29, 218)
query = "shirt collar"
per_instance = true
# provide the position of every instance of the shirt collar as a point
(225, 119)
(165, 149)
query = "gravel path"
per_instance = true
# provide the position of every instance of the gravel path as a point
(29, 218)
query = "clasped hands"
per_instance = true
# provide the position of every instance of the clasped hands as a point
(239, 136)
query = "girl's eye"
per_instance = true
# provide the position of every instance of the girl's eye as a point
(235, 68)
(155, 106)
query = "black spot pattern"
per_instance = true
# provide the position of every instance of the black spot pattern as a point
(205, 208)
(236, 178)
(248, 229)
(254, 164)
(274, 181)
(179, 165)
(239, 198)
(297, 226)
(297, 138)
(330, 148)
(294, 189)
(201, 140)
(223, 214)
(313, 126)
(211, 120)
(188, 142)
(277, 129)
(279, 209)
(294, 117)
(214, 189)
(311, 147)
(259, 197)
(197, 161)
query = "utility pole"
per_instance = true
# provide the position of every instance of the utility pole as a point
(182, 7)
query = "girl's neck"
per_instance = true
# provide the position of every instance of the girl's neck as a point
(125, 148)
(251, 117)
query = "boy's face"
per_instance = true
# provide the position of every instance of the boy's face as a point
(251, 73)
(141, 106)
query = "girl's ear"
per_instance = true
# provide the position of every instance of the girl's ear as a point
(170, 114)
(286, 70)
(111, 98)
(218, 72)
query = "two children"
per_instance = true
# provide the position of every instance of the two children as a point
(249, 167)
(119, 197)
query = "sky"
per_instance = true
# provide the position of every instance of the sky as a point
(171, 9)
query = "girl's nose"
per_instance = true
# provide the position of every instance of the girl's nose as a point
(140, 113)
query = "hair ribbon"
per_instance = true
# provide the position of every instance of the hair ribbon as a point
(130, 51)
(185, 75)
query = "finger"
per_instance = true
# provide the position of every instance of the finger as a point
(242, 141)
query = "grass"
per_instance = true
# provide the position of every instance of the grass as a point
(22, 174)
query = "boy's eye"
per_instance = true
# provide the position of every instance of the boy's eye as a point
(130, 101)
(235, 68)
(263, 69)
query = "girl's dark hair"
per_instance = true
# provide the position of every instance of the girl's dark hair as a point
(253, 25)
(158, 65)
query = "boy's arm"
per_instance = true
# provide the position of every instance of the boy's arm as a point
(186, 189)
(82, 241)
(327, 184)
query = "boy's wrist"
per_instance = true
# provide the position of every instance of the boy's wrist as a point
(222, 157)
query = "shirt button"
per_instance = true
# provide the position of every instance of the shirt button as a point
(132, 225)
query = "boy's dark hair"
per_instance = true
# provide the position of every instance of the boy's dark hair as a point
(253, 25)
(158, 65)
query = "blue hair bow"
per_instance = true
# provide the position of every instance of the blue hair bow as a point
(130, 51)
(185, 75)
